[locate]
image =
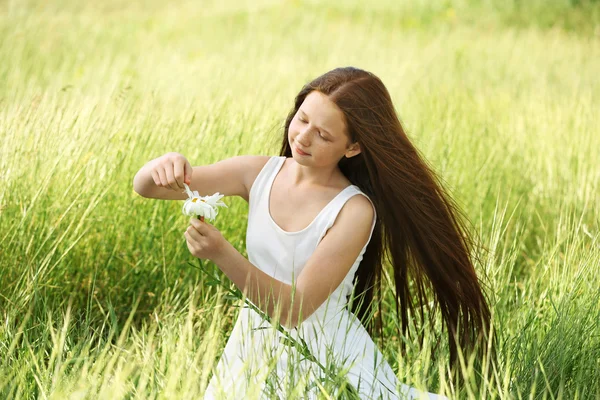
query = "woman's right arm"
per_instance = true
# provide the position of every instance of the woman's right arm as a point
(163, 177)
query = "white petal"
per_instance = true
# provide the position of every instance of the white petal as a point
(187, 190)
(203, 206)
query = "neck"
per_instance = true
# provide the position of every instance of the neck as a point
(307, 176)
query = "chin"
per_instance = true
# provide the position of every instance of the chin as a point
(297, 157)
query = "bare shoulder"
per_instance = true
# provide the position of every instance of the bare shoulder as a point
(358, 207)
(253, 165)
(355, 216)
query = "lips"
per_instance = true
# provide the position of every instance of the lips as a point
(302, 152)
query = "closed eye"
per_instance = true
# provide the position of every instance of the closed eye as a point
(321, 136)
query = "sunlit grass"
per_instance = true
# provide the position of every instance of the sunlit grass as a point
(97, 296)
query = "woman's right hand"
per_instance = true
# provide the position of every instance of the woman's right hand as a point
(171, 171)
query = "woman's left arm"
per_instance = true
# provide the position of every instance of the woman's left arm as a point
(267, 293)
(322, 274)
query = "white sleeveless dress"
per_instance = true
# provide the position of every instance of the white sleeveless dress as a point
(255, 364)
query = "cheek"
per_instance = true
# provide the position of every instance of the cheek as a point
(293, 127)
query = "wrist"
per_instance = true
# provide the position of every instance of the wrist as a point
(226, 252)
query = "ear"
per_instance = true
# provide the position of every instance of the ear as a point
(353, 150)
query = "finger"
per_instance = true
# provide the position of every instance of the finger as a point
(155, 178)
(198, 221)
(188, 236)
(171, 178)
(178, 169)
(163, 177)
(189, 241)
(193, 234)
(188, 173)
(195, 222)
(200, 226)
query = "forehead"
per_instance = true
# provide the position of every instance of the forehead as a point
(323, 111)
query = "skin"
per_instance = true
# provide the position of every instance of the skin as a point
(335, 253)
(319, 129)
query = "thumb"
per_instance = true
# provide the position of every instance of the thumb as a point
(187, 174)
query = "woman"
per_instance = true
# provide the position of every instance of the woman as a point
(313, 245)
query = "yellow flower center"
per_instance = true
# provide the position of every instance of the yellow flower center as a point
(195, 198)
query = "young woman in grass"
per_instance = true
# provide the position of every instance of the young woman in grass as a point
(316, 249)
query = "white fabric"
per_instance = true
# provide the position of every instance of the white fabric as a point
(333, 334)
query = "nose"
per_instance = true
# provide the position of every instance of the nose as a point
(303, 137)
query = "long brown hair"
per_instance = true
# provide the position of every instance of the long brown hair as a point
(418, 222)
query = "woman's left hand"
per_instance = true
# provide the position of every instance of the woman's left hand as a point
(204, 240)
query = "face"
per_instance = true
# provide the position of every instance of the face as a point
(318, 128)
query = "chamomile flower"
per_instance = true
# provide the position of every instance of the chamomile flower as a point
(202, 206)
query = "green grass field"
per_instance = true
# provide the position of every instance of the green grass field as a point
(97, 295)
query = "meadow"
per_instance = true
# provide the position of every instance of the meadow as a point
(99, 295)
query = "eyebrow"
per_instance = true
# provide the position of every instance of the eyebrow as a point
(323, 129)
